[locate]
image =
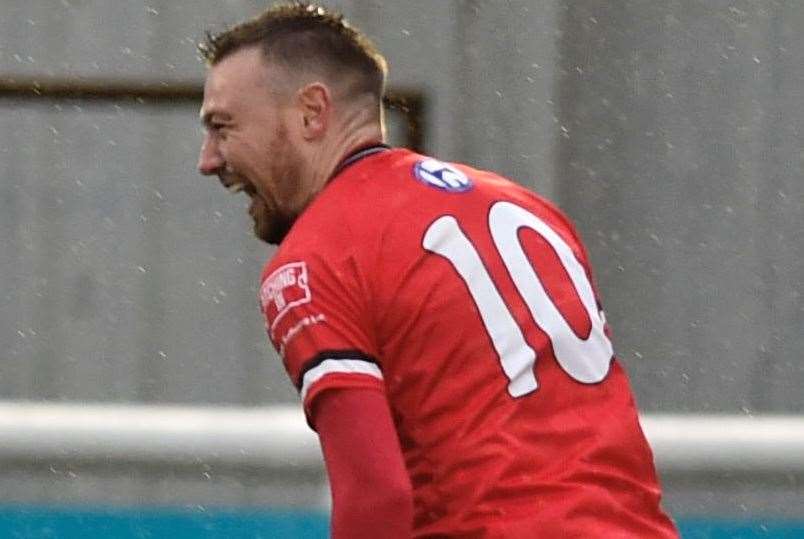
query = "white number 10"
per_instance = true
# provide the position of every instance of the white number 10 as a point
(585, 360)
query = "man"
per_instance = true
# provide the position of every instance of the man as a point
(440, 322)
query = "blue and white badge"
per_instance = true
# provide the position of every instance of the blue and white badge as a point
(442, 176)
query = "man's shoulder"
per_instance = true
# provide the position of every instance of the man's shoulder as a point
(344, 215)
(355, 203)
(372, 182)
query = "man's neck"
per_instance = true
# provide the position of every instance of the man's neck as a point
(357, 133)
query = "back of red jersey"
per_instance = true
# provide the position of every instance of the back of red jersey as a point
(469, 301)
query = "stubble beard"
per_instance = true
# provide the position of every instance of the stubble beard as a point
(274, 221)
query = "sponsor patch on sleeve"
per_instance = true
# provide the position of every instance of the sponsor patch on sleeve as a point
(441, 176)
(285, 288)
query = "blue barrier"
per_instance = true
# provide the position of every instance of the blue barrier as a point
(36, 522)
(33, 522)
(720, 528)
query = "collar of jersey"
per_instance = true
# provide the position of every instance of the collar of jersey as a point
(359, 154)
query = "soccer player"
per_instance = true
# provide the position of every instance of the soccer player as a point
(440, 322)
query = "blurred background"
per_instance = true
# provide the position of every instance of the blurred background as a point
(669, 131)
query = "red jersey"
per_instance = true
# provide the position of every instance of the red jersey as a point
(468, 300)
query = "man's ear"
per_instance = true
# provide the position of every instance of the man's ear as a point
(315, 105)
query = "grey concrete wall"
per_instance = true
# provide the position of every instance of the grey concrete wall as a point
(125, 275)
(682, 165)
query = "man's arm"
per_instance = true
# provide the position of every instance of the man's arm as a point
(371, 490)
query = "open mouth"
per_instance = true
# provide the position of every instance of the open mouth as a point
(236, 187)
(240, 187)
(247, 188)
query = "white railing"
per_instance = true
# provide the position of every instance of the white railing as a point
(274, 437)
(725, 443)
(277, 437)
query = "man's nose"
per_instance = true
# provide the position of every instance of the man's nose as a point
(210, 159)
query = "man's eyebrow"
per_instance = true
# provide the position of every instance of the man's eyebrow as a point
(207, 116)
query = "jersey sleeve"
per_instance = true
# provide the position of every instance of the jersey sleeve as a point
(316, 317)
(371, 488)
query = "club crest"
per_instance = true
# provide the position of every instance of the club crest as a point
(441, 176)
